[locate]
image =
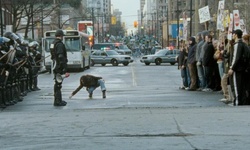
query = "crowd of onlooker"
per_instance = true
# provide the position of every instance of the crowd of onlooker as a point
(208, 64)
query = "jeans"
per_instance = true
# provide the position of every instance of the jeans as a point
(201, 76)
(100, 83)
(208, 70)
(188, 77)
(221, 69)
(184, 76)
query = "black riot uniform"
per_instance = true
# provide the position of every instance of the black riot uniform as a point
(3, 67)
(35, 57)
(59, 58)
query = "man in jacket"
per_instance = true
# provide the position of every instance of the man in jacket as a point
(191, 61)
(237, 68)
(209, 63)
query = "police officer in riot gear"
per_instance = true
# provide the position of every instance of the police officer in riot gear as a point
(35, 57)
(59, 59)
(3, 67)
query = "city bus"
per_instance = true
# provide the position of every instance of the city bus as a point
(77, 46)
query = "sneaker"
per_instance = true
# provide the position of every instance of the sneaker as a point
(223, 100)
(182, 88)
(230, 104)
(207, 90)
(199, 89)
(104, 94)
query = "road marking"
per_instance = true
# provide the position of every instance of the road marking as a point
(133, 75)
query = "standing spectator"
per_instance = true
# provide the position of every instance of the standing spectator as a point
(208, 63)
(226, 82)
(182, 65)
(246, 39)
(216, 78)
(199, 58)
(200, 71)
(219, 47)
(237, 68)
(192, 64)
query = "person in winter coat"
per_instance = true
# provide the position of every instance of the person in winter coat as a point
(191, 61)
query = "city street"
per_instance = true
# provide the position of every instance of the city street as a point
(144, 110)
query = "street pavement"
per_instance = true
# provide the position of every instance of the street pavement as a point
(134, 116)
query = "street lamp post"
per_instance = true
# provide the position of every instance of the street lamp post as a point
(93, 24)
(167, 28)
(191, 3)
(178, 23)
(98, 7)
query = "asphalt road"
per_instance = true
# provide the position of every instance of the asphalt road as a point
(144, 109)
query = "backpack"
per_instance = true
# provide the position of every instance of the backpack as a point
(52, 49)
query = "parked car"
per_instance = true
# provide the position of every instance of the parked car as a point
(104, 57)
(162, 56)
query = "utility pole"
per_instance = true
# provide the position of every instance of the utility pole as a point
(191, 14)
(93, 24)
(177, 23)
(167, 29)
(196, 17)
(42, 18)
(59, 13)
(32, 20)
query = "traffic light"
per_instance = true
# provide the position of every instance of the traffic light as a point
(113, 20)
(91, 42)
(135, 24)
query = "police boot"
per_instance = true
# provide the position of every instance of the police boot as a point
(2, 104)
(35, 85)
(58, 96)
(8, 95)
(19, 98)
(12, 95)
(4, 96)
(91, 95)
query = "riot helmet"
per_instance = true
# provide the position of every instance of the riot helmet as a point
(34, 44)
(4, 40)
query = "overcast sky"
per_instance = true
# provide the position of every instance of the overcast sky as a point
(129, 10)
